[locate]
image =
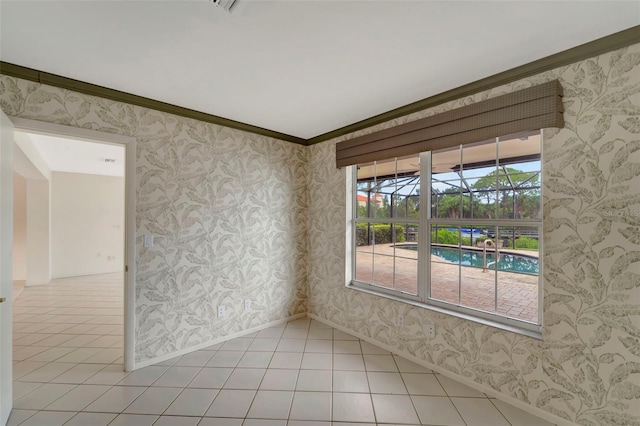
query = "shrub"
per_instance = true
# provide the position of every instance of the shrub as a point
(481, 239)
(447, 236)
(382, 232)
(527, 243)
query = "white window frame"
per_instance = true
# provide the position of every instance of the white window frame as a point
(422, 298)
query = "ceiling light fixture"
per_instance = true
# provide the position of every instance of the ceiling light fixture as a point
(227, 5)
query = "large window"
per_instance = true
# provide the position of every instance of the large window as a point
(458, 228)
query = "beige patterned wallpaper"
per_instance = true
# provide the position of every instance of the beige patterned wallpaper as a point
(586, 369)
(228, 210)
(240, 215)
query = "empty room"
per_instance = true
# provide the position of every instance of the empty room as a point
(328, 213)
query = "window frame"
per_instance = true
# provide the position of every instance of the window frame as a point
(425, 221)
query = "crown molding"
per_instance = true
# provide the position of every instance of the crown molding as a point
(584, 51)
(593, 48)
(119, 96)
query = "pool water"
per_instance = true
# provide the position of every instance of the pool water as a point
(507, 262)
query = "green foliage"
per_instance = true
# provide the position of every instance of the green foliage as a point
(446, 236)
(407, 207)
(518, 177)
(362, 211)
(401, 204)
(491, 191)
(480, 239)
(526, 243)
(383, 233)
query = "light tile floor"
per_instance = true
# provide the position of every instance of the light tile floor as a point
(68, 370)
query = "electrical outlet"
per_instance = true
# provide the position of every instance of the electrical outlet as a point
(400, 320)
(220, 311)
(431, 331)
(247, 304)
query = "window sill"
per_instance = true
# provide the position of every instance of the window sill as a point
(366, 288)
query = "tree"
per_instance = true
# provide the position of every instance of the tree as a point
(448, 205)
(517, 193)
(407, 206)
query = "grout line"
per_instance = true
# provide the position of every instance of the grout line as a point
(500, 411)
(450, 400)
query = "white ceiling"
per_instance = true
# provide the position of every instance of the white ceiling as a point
(75, 156)
(301, 68)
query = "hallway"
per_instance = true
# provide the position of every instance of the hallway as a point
(68, 371)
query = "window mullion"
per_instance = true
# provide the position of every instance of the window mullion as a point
(354, 216)
(497, 187)
(498, 236)
(424, 233)
(540, 239)
(375, 215)
(461, 216)
(496, 258)
(392, 226)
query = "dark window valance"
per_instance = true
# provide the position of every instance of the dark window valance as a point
(533, 108)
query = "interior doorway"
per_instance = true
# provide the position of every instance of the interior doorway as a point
(125, 360)
(93, 340)
(107, 332)
(68, 262)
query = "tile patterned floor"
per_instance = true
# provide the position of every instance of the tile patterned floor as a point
(68, 371)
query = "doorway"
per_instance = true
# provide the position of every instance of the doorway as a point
(112, 339)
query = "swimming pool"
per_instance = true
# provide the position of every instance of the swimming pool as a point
(473, 258)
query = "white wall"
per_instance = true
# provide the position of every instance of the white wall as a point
(19, 228)
(27, 160)
(87, 224)
(38, 232)
(29, 164)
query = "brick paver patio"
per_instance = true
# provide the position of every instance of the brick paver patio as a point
(517, 293)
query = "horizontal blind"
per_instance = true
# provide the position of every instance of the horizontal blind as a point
(534, 108)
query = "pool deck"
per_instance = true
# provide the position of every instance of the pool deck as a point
(517, 294)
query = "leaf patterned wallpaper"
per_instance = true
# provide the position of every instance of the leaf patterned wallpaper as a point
(228, 210)
(238, 215)
(586, 369)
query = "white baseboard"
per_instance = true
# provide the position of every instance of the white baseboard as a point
(190, 349)
(36, 284)
(440, 370)
(64, 276)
